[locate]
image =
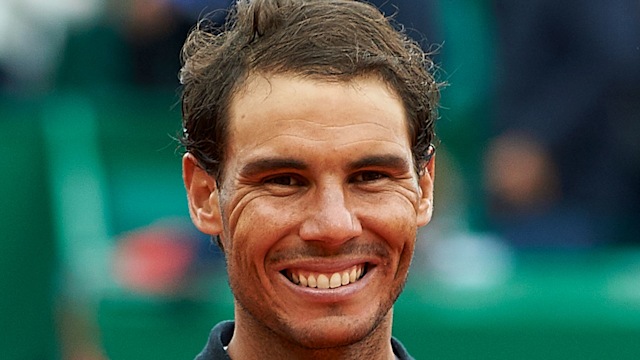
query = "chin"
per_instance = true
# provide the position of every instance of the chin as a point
(334, 332)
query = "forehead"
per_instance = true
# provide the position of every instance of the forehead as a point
(292, 111)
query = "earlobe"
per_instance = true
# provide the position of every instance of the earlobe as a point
(202, 196)
(425, 203)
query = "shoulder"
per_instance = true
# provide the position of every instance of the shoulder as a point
(399, 350)
(219, 338)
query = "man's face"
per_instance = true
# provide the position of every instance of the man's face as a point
(319, 207)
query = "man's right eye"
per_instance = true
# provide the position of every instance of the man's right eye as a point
(284, 180)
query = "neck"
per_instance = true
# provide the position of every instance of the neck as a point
(253, 341)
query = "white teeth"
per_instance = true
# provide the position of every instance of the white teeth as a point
(345, 278)
(312, 281)
(335, 281)
(326, 281)
(323, 281)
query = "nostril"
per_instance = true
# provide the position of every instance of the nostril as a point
(330, 216)
(337, 227)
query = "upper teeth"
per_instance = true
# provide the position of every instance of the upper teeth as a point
(326, 281)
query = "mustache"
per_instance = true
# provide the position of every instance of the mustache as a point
(313, 250)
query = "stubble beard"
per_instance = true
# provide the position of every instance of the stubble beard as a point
(289, 335)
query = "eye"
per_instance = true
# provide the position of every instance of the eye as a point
(368, 176)
(284, 180)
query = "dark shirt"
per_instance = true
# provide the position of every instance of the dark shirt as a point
(221, 336)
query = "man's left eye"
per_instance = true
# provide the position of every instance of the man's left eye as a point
(367, 176)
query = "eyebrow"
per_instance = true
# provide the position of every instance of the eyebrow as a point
(388, 161)
(263, 165)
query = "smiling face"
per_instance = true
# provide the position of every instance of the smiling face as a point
(318, 209)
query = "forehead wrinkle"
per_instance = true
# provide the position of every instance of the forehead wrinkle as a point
(286, 136)
(327, 139)
(323, 125)
(320, 127)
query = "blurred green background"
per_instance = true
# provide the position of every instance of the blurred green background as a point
(98, 258)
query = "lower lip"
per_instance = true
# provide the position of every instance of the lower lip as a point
(339, 294)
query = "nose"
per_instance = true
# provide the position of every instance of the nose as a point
(329, 218)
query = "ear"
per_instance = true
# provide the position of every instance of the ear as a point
(425, 182)
(202, 196)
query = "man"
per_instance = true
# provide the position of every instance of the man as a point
(308, 129)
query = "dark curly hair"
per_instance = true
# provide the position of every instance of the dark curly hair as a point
(328, 40)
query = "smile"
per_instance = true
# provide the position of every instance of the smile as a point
(326, 280)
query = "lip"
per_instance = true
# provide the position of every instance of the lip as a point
(335, 295)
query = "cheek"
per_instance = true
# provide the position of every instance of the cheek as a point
(399, 230)
(396, 227)
(392, 217)
(256, 227)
